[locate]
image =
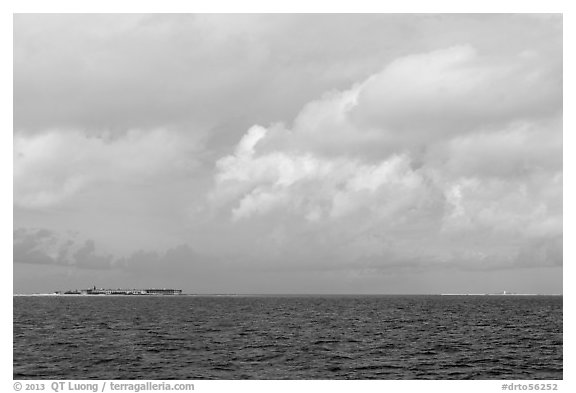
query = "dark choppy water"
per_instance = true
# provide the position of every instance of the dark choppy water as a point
(333, 337)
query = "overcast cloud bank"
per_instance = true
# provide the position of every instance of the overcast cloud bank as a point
(446, 154)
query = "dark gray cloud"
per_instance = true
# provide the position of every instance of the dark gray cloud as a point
(42, 246)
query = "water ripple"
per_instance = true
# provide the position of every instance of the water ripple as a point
(348, 337)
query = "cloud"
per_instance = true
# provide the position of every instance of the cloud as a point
(146, 71)
(279, 179)
(517, 150)
(415, 163)
(42, 246)
(72, 261)
(420, 100)
(284, 143)
(126, 71)
(456, 90)
(54, 166)
(65, 248)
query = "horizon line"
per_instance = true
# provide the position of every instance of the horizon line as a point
(310, 294)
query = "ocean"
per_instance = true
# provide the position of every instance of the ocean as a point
(287, 337)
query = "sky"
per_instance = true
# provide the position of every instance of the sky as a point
(343, 153)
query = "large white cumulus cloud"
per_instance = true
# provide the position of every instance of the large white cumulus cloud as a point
(448, 157)
(314, 186)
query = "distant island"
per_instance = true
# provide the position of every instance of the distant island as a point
(503, 293)
(120, 291)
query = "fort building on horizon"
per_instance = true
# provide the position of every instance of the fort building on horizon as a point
(119, 291)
